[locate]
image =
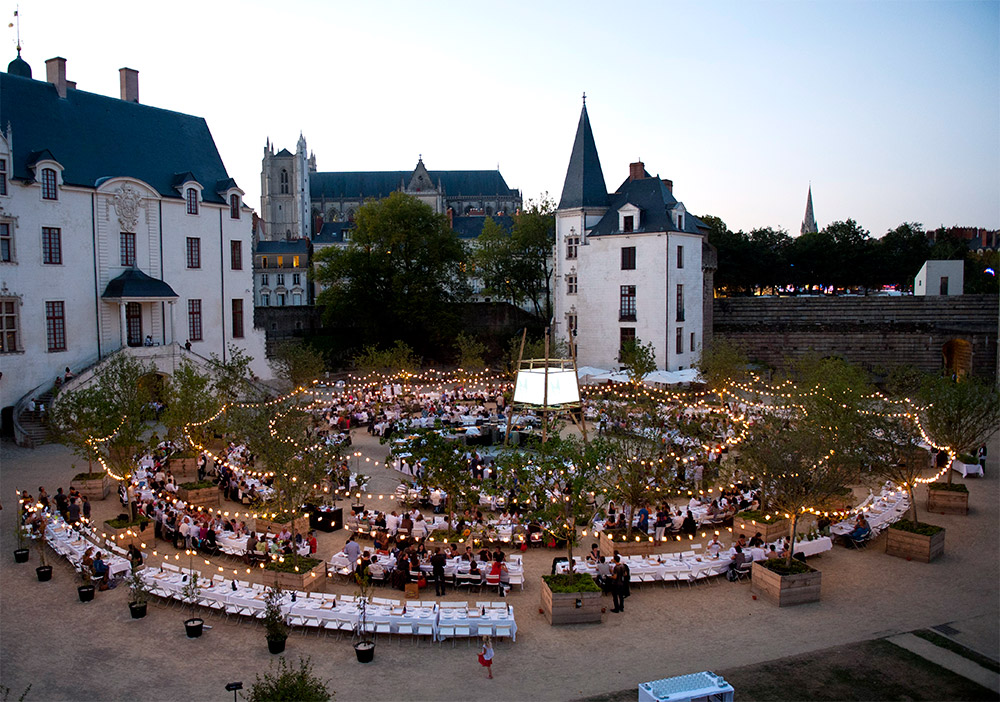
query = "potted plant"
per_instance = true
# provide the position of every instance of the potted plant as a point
(364, 647)
(948, 498)
(86, 591)
(785, 583)
(912, 540)
(571, 598)
(43, 571)
(276, 630)
(138, 595)
(21, 552)
(189, 593)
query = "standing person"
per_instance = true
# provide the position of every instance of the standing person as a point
(85, 508)
(982, 458)
(438, 561)
(486, 656)
(618, 575)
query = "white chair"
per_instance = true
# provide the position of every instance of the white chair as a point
(517, 579)
(425, 630)
(503, 631)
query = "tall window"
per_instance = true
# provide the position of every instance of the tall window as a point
(8, 325)
(627, 308)
(236, 254)
(237, 318)
(265, 279)
(127, 240)
(628, 223)
(279, 278)
(192, 201)
(51, 245)
(572, 242)
(295, 261)
(263, 261)
(193, 252)
(3, 176)
(628, 258)
(234, 206)
(194, 320)
(680, 303)
(133, 323)
(680, 256)
(284, 182)
(296, 298)
(281, 261)
(296, 279)
(679, 344)
(571, 285)
(627, 334)
(55, 325)
(680, 222)
(265, 300)
(280, 299)
(691, 347)
(49, 191)
(6, 243)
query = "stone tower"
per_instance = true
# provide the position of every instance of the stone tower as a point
(284, 192)
(809, 223)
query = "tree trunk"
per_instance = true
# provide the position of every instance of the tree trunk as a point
(451, 512)
(569, 544)
(791, 546)
(913, 503)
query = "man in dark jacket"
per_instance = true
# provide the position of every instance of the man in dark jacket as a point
(619, 575)
(438, 561)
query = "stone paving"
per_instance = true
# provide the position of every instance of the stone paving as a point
(69, 651)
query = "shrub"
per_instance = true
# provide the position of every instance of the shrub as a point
(968, 459)
(288, 565)
(779, 566)
(914, 528)
(571, 582)
(951, 487)
(197, 485)
(758, 516)
(89, 476)
(125, 523)
(287, 684)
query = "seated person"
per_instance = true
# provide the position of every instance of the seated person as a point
(756, 540)
(101, 571)
(861, 530)
(604, 574)
(134, 556)
(474, 568)
(595, 554)
(737, 561)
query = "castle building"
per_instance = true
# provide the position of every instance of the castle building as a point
(119, 227)
(632, 264)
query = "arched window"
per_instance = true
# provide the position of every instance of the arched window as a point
(284, 181)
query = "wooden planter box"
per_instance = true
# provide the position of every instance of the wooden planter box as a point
(561, 607)
(917, 547)
(184, 470)
(643, 547)
(96, 489)
(306, 581)
(129, 535)
(299, 524)
(785, 590)
(947, 501)
(770, 531)
(202, 497)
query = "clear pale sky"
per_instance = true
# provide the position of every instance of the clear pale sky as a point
(890, 109)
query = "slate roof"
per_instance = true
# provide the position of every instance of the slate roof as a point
(655, 203)
(332, 232)
(378, 184)
(19, 67)
(134, 283)
(472, 227)
(584, 185)
(294, 246)
(94, 137)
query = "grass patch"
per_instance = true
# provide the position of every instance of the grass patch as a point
(955, 647)
(950, 487)
(779, 566)
(571, 582)
(288, 566)
(915, 528)
(125, 524)
(197, 485)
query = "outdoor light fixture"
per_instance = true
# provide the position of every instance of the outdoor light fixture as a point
(233, 687)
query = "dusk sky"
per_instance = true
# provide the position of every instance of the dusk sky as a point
(890, 109)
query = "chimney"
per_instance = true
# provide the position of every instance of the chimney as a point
(636, 171)
(670, 185)
(71, 84)
(129, 78)
(55, 73)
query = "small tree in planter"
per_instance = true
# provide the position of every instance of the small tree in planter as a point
(364, 647)
(287, 684)
(276, 630)
(44, 570)
(960, 415)
(190, 594)
(446, 467)
(21, 553)
(138, 595)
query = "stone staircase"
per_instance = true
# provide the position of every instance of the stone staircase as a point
(36, 432)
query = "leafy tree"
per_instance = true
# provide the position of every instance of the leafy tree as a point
(297, 363)
(470, 353)
(401, 269)
(445, 467)
(284, 683)
(189, 400)
(902, 251)
(534, 235)
(960, 415)
(978, 278)
(894, 450)
(232, 380)
(639, 360)
(78, 416)
(494, 257)
(722, 362)
(391, 360)
(533, 348)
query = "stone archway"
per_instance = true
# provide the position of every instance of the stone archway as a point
(956, 357)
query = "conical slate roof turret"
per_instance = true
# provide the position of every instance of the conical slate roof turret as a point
(584, 186)
(809, 223)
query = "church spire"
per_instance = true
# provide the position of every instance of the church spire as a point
(809, 223)
(584, 185)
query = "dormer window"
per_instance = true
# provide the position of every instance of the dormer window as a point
(628, 223)
(234, 206)
(49, 190)
(191, 195)
(628, 218)
(680, 221)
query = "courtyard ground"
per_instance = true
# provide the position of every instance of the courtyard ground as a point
(68, 650)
